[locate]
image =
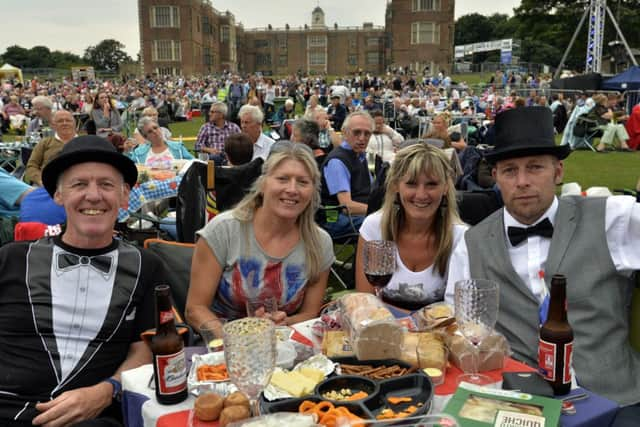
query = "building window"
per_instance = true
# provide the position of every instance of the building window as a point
(374, 58)
(425, 33)
(165, 16)
(260, 43)
(352, 43)
(283, 60)
(422, 5)
(224, 34)
(317, 41)
(166, 50)
(206, 57)
(263, 59)
(168, 71)
(353, 59)
(282, 43)
(317, 58)
(373, 41)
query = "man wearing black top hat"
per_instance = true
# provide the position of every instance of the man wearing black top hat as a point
(593, 241)
(72, 307)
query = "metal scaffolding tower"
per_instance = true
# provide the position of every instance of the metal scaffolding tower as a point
(597, 12)
(597, 15)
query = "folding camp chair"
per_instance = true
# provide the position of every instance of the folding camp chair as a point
(584, 131)
(206, 190)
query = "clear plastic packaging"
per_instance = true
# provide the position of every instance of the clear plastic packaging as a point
(373, 331)
(491, 354)
(278, 420)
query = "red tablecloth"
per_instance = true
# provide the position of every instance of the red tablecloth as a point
(450, 380)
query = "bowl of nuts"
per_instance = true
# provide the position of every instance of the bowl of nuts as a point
(346, 388)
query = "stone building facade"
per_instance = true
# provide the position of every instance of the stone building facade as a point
(191, 37)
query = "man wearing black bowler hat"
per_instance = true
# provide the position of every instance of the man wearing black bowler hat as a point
(72, 307)
(593, 241)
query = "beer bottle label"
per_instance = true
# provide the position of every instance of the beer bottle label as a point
(568, 362)
(547, 359)
(166, 316)
(172, 372)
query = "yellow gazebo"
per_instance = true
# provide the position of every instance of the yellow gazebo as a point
(8, 71)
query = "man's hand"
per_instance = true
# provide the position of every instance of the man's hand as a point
(74, 406)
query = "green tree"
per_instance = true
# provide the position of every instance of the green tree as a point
(472, 28)
(40, 57)
(106, 55)
(17, 56)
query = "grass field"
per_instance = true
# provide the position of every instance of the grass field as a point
(614, 170)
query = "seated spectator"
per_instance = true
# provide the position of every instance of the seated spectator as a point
(312, 106)
(41, 116)
(12, 108)
(64, 126)
(105, 115)
(213, 134)
(384, 141)
(345, 175)
(336, 112)
(63, 354)
(633, 128)
(12, 192)
(153, 114)
(439, 129)
(606, 121)
(268, 245)
(286, 112)
(419, 213)
(156, 152)
(328, 137)
(251, 118)
(238, 149)
(306, 132)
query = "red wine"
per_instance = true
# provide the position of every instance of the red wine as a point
(378, 280)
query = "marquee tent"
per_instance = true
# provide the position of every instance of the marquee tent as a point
(8, 71)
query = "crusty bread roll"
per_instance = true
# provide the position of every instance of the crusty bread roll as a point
(208, 406)
(233, 413)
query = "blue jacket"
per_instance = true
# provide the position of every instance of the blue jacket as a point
(177, 150)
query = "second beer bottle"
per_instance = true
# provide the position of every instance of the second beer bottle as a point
(169, 364)
(555, 348)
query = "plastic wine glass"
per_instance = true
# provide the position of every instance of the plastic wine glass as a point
(250, 355)
(379, 258)
(476, 305)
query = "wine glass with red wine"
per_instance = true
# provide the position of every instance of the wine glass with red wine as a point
(379, 262)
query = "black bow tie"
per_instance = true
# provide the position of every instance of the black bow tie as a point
(69, 261)
(518, 235)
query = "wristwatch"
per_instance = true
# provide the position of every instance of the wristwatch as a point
(117, 388)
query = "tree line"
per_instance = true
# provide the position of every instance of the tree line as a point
(544, 27)
(106, 55)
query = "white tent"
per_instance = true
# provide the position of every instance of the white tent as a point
(8, 71)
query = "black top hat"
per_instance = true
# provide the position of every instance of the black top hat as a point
(88, 148)
(525, 131)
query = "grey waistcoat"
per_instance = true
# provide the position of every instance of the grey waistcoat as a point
(598, 297)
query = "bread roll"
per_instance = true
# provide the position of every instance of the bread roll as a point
(208, 406)
(232, 414)
(237, 398)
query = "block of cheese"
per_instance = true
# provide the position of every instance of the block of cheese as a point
(293, 383)
(314, 374)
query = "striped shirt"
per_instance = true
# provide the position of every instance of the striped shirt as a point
(212, 136)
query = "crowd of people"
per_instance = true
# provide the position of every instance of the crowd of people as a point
(72, 306)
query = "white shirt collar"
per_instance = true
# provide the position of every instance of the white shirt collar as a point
(510, 221)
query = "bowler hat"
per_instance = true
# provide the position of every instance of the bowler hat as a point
(525, 131)
(88, 148)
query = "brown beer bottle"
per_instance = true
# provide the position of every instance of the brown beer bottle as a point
(555, 347)
(169, 365)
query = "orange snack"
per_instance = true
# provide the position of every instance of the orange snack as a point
(327, 414)
(357, 396)
(395, 400)
(212, 372)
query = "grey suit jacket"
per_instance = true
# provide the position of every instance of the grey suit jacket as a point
(598, 296)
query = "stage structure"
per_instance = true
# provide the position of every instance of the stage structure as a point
(596, 11)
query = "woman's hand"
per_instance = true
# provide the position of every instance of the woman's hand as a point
(277, 317)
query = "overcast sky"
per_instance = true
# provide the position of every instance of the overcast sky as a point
(72, 25)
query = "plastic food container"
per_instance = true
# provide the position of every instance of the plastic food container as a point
(286, 354)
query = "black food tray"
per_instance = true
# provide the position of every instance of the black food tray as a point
(417, 386)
